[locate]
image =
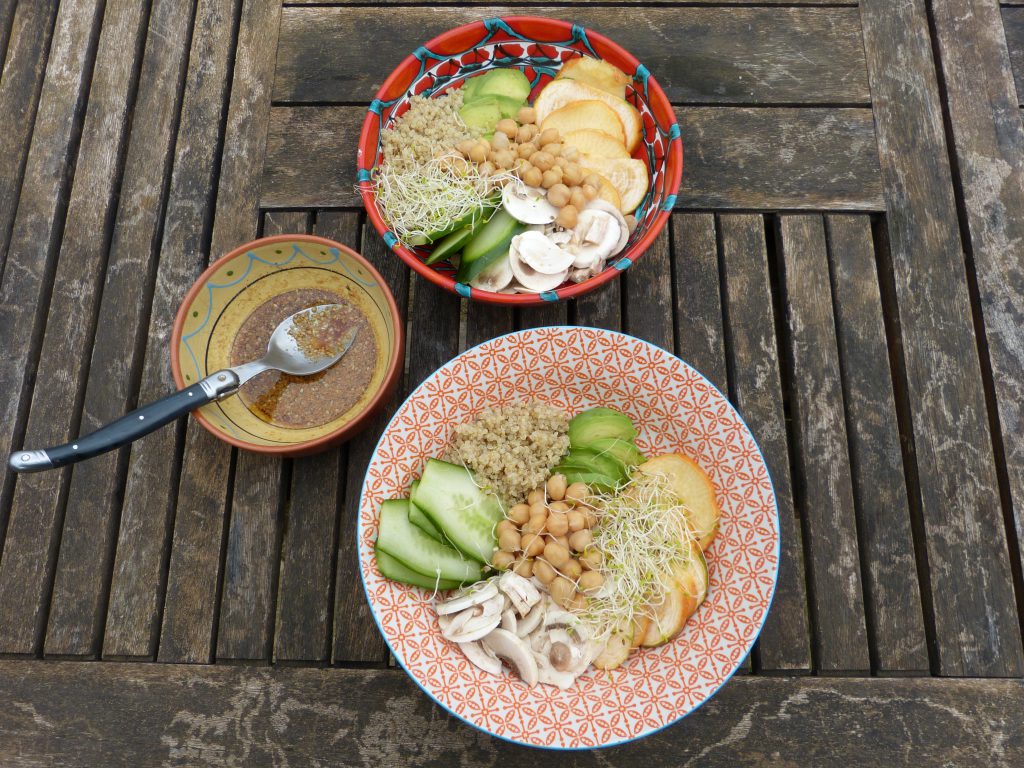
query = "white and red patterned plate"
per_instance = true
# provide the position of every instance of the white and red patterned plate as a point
(675, 409)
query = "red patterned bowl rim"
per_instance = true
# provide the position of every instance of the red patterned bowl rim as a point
(673, 161)
(776, 548)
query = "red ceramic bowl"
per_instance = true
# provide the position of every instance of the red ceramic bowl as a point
(538, 46)
(235, 285)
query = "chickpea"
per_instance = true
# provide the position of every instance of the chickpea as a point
(559, 506)
(591, 559)
(568, 216)
(569, 152)
(527, 115)
(523, 135)
(555, 149)
(577, 492)
(542, 160)
(589, 192)
(556, 486)
(558, 194)
(556, 554)
(510, 541)
(572, 569)
(534, 496)
(577, 199)
(558, 524)
(593, 180)
(533, 544)
(533, 177)
(536, 524)
(486, 168)
(503, 560)
(630, 222)
(505, 158)
(524, 567)
(526, 151)
(519, 514)
(544, 572)
(578, 604)
(550, 179)
(491, 154)
(572, 174)
(501, 140)
(562, 591)
(505, 525)
(562, 541)
(507, 126)
(548, 136)
(591, 581)
(532, 130)
(466, 146)
(478, 153)
(539, 507)
(590, 518)
(577, 521)
(580, 540)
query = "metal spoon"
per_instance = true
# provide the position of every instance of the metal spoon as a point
(284, 353)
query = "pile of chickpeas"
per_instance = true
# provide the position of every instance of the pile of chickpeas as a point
(539, 159)
(550, 537)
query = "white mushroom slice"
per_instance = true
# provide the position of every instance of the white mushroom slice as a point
(467, 597)
(598, 204)
(596, 237)
(530, 621)
(558, 235)
(515, 653)
(474, 622)
(579, 275)
(530, 279)
(548, 675)
(508, 621)
(520, 591)
(539, 253)
(481, 657)
(495, 278)
(527, 204)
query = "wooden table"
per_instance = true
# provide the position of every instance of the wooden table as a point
(846, 262)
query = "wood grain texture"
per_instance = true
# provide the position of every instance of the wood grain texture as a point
(34, 264)
(828, 159)
(700, 337)
(585, 2)
(216, 715)
(78, 602)
(1013, 28)
(648, 295)
(246, 622)
(150, 498)
(821, 450)
(988, 136)
(356, 638)
(977, 630)
(601, 308)
(20, 84)
(883, 514)
(750, 332)
(798, 55)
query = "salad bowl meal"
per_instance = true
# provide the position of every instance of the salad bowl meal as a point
(519, 160)
(568, 552)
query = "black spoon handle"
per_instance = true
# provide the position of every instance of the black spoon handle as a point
(129, 427)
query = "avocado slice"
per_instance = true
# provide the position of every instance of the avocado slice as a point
(594, 480)
(591, 461)
(508, 82)
(623, 450)
(482, 113)
(599, 424)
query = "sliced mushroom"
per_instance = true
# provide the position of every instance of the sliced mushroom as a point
(482, 657)
(595, 237)
(548, 675)
(513, 652)
(495, 278)
(538, 252)
(508, 621)
(530, 279)
(624, 231)
(520, 591)
(467, 597)
(475, 622)
(527, 204)
(531, 620)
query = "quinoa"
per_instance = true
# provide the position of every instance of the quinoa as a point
(428, 128)
(512, 450)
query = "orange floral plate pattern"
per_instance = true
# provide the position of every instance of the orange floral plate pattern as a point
(675, 409)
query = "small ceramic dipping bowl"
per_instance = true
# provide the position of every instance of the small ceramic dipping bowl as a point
(237, 285)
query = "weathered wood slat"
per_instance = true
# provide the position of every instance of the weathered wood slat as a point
(486, 321)
(988, 134)
(883, 515)
(552, 313)
(750, 332)
(246, 621)
(976, 630)
(150, 498)
(20, 84)
(735, 158)
(706, 55)
(1013, 28)
(33, 533)
(78, 603)
(601, 308)
(821, 450)
(190, 603)
(356, 638)
(700, 338)
(648, 295)
(585, 2)
(202, 715)
(6, 22)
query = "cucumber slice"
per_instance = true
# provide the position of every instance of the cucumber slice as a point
(414, 549)
(488, 245)
(394, 570)
(599, 424)
(624, 451)
(420, 520)
(450, 245)
(465, 514)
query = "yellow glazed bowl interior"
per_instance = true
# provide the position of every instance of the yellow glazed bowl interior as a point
(236, 285)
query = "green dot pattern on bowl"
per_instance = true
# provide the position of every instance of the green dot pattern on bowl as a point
(195, 314)
(230, 272)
